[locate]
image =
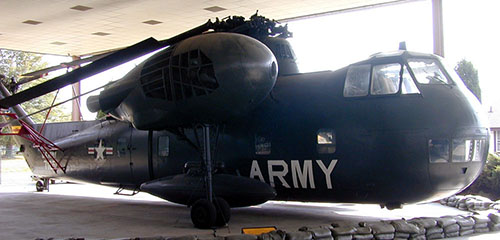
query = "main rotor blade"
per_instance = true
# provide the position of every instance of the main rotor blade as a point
(105, 63)
(28, 77)
(100, 65)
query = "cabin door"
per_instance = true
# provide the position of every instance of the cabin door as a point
(138, 162)
(158, 151)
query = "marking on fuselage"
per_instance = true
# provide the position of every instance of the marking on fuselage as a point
(302, 177)
(100, 151)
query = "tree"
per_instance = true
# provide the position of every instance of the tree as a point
(12, 65)
(488, 183)
(468, 74)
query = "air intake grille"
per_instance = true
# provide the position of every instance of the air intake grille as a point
(178, 77)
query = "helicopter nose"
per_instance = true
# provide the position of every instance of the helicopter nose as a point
(455, 163)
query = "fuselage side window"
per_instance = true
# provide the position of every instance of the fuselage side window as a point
(408, 85)
(427, 71)
(357, 81)
(262, 145)
(460, 150)
(385, 79)
(326, 141)
(439, 150)
(478, 150)
(163, 146)
(467, 150)
(122, 146)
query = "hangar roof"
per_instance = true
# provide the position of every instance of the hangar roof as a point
(80, 27)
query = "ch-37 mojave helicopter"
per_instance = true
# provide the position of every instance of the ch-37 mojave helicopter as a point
(210, 122)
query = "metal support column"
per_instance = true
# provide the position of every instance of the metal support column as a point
(208, 161)
(437, 23)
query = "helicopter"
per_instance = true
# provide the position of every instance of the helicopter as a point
(221, 118)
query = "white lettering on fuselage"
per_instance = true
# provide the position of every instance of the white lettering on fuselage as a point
(302, 177)
(255, 171)
(279, 174)
(303, 174)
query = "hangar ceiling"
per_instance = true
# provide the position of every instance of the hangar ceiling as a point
(81, 27)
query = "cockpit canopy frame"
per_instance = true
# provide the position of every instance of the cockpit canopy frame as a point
(392, 74)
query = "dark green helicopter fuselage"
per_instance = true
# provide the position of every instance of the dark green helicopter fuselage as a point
(311, 139)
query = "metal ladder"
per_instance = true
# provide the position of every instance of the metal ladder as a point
(45, 146)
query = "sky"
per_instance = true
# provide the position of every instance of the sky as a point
(327, 43)
(470, 32)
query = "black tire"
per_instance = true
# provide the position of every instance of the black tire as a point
(39, 186)
(223, 212)
(203, 214)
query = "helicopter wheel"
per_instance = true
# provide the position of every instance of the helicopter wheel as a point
(203, 214)
(39, 186)
(223, 212)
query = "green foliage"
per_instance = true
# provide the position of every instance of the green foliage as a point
(12, 65)
(469, 75)
(100, 115)
(488, 183)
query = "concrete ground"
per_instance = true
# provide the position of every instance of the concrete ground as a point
(93, 212)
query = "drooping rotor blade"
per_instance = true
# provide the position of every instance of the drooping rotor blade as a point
(105, 63)
(28, 77)
(114, 59)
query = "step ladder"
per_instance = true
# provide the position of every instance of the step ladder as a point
(24, 130)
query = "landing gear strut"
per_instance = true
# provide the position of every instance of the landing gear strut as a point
(211, 211)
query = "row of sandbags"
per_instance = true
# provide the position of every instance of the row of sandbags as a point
(421, 228)
(414, 229)
(471, 203)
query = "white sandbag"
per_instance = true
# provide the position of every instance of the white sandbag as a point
(321, 233)
(435, 236)
(464, 222)
(342, 231)
(300, 235)
(362, 236)
(401, 226)
(380, 227)
(384, 236)
(433, 230)
(343, 237)
(466, 232)
(401, 235)
(481, 219)
(452, 234)
(494, 217)
(451, 228)
(481, 230)
(424, 222)
(445, 221)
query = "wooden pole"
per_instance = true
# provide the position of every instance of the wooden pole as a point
(75, 110)
(437, 23)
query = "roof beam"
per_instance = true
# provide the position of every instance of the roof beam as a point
(345, 10)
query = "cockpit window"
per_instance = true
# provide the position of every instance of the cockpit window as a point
(427, 71)
(385, 79)
(408, 85)
(357, 81)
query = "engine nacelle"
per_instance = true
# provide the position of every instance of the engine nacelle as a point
(204, 79)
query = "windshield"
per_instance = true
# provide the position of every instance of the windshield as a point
(428, 71)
